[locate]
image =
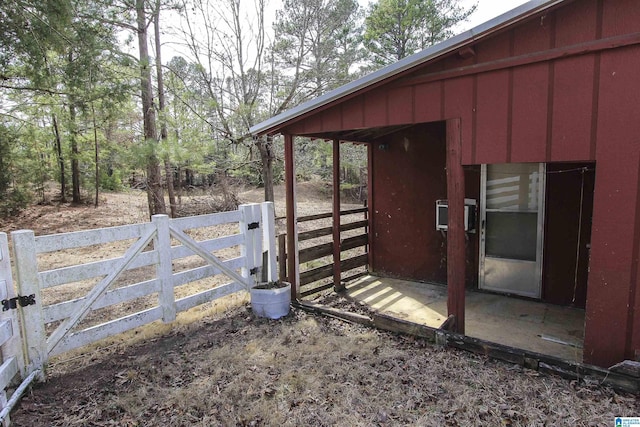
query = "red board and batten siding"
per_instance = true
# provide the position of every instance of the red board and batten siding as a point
(545, 90)
(612, 299)
(410, 173)
(398, 106)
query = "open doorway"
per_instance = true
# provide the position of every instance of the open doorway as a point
(536, 225)
(569, 210)
(535, 230)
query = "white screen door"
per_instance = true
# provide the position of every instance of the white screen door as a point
(512, 218)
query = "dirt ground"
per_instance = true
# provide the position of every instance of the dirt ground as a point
(226, 367)
(304, 370)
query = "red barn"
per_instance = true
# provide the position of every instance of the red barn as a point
(536, 116)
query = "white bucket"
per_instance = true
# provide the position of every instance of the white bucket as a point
(271, 303)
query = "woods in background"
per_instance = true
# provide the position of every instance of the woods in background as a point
(88, 98)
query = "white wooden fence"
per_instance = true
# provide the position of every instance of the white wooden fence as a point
(255, 224)
(10, 340)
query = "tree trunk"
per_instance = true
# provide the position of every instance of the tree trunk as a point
(180, 186)
(75, 153)
(155, 193)
(96, 154)
(266, 156)
(189, 178)
(168, 170)
(178, 175)
(63, 178)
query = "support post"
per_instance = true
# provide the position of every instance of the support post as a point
(455, 230)
(282, 257)
(269, 238)
(13, 347)
(6, 422)
(293, 268)
(337, 282)
(250, 215)
(369, 213)
(164, 268)
(26, 262)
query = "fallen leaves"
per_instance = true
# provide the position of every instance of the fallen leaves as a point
(306, 370)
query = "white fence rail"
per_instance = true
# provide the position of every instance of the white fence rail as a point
(54, 328)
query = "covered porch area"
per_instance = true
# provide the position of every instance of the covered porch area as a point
(485, 117)
(520, 323)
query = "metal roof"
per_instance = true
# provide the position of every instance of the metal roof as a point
(515, 15)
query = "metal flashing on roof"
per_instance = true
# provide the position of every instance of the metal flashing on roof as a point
(521, 12)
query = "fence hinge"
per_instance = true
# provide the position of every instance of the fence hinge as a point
(11, 304)
(253, 225)
(253, 271)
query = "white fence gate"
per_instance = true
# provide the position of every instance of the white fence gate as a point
(54, 328)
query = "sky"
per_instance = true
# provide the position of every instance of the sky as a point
(488, 9)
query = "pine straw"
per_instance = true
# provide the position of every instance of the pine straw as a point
(306, 370)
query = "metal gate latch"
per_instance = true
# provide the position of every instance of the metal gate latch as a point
(253, 225)
(11, 304)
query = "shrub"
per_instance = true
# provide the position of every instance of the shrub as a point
(13, 201)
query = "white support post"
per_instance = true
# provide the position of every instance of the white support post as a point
(6, 422)
(164, 268)
(26, 262)
(13, 347)
(251, 249)
(269, 239)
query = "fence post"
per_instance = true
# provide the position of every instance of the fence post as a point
(251, 248)
(26, 262)
(13, 346)
(269, 238)
(3, 404)
(164, 268)
(282, 257)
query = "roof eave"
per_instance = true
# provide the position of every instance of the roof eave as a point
(524, 11)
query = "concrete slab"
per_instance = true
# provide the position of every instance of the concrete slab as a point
(403, 299)
(515, 322)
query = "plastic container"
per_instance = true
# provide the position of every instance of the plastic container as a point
(273, 302)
